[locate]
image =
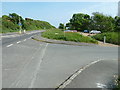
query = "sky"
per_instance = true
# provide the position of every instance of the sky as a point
(58, 12)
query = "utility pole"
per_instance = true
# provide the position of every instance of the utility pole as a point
(64, 29)
(20, 29)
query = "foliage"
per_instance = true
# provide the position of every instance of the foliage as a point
(79, 21)
(117, 23)
(11, 23)
(98, 21)
(102, 22)
(0, 25)
(60, 35)
(111, 37)
(61, 26)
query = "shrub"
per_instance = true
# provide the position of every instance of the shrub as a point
(111, 37)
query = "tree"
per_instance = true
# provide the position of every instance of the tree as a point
(61, 26)
(117, 23)
(10, 23)
(102, 22)
(80, 21)
(15, 18)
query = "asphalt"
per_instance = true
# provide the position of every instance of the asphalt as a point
(27, 63)
(99, 75)
(13, 37)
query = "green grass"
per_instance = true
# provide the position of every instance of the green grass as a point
(111, 37)
(117, 85)
(60, 35)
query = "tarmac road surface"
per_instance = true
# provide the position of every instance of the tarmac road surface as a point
(27, 63)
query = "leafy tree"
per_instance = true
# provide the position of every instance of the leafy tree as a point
(80, 21)
(10, 23)
(15, 18)
(117, 23)
(102, 22)
(61, 26)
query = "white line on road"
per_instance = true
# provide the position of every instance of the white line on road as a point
(100, 85)
(18, 41)
(17, 81)
(68, 81)
(24, 40)
(38, 67)
(9, 45)
(29, 38)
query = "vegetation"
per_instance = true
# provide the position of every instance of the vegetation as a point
(0, 25)
(60, 35)
(111, 37)
(61, 26)
(98, 21)
(117, 84)
(11, 23)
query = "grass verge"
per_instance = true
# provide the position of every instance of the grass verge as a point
(71, 36)
(111, 37)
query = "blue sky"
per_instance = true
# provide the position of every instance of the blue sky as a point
(57, 12)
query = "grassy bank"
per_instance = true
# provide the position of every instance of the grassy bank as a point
(111, 37)
(60, 35)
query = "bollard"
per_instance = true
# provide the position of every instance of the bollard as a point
(104, 39)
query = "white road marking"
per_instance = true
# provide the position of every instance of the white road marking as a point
(24, 40)
(100, 85)
(18, 41)
(17, 81)
(8, 69)
(9, 45)
(38, 67)
(29, 38)
(69, 80)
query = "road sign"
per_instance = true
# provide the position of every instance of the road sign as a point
(20, 24)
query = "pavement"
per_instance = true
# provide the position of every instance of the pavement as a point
(27, 63)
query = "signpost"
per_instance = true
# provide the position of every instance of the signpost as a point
(64, 29)
(20, 24)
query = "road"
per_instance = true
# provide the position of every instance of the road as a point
(27, 63)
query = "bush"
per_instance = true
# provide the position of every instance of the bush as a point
(111, 37)
(60, 35)
(10, 23)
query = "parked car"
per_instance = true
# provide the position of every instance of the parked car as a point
(70, 31)
(86, 31)
(95, 32)
(74, 30)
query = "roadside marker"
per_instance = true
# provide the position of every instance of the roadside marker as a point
(18, 41)
(24, 40)
(9, 45)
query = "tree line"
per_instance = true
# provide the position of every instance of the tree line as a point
(98, 21)
(13, 21)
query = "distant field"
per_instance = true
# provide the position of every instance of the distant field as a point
(111, 37)
(71, 36)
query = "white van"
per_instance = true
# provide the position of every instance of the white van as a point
(95, 32)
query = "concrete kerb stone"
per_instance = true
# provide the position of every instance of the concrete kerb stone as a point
(41, 39)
